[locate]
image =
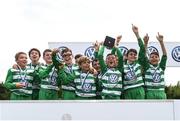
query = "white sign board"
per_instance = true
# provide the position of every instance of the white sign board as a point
(89, 110)
(173, 49)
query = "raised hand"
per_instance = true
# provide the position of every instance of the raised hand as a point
(96, 45)
(146, 39)
(118, 40)
(135, 30)
(159, 37)
(55, 50)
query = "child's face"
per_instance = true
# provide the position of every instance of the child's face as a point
(67, 57)
(111, 61)
(131, 57)
(96, 65)
(85, 66)
(47, 57)
(154, 59)
(22, 60)
(34, 56)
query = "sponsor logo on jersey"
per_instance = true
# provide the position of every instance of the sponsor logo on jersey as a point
(87, 87)
(113, 78)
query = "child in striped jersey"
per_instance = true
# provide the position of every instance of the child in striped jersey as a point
(111, 73)
(133, 81)
(83, 78)
(34, 55)
(19, 80)
(50, 82)
(96, 65)
(68, 90)
(154, 71)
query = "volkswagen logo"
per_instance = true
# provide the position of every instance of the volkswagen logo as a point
(176, 53)
(151, 49)
(89, 52)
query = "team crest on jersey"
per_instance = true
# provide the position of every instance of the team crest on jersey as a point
(151, 49)
(130, 76)
(87, 87)
(89, 52)
(176, 53)
(123, 50)
(113, 78)
(156, 77)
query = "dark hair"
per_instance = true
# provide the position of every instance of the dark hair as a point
(94, 60)
(78, 56)
(46, 50)
(155, 53)
(65, 50)
(35, 49)
(18, 54)
(131, 50)
(110, 54)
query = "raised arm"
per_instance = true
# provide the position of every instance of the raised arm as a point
(146, 40)
(119, 54)
(44, 72)
(160, 39)
(116, 44)
(146, 61)
(101, 59)
(64, 77)
(142, 52)
(54, 60)
(96, 46)
(164, 57)
(140, 43)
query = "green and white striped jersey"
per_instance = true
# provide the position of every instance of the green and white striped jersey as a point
(132, 76)
(85, 84)
(154, 78)
(111, 82)
(154, 75)
(49, 77)
(25, 76)
(70, 70)
(36, 83)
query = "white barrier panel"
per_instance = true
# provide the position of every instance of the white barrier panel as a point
(91, 110)
(177, 109)
(173, 49)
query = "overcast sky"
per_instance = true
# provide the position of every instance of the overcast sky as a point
(25, 24)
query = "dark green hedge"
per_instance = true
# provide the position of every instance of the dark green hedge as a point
(4, 93)
(173, 92)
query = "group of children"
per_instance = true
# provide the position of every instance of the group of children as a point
(116, 77)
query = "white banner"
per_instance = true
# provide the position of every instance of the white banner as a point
(90, 110)
(173, 49)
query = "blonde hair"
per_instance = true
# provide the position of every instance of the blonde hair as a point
(83, 59)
